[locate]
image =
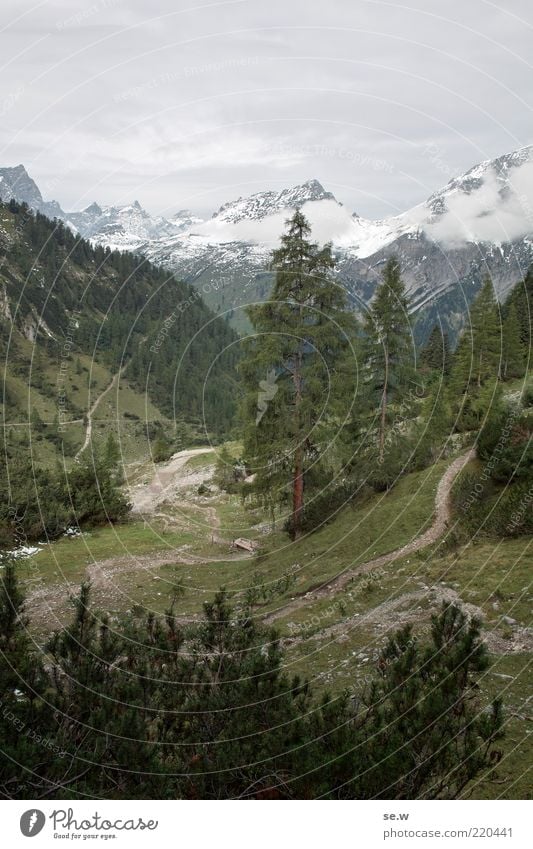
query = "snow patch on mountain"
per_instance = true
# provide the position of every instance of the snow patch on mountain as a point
(185, 220)
(480, 222)
(266, 204)
(491, 203)
(124, 228)
(329, 221)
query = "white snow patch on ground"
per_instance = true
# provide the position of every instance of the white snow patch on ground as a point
(23, 551)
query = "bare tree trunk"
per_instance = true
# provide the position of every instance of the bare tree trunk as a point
(298, 476)
(298, 493)
(383, 410)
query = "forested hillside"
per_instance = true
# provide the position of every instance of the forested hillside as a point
(69, 297)
(349, 406)
(345, 515)
(90, 333)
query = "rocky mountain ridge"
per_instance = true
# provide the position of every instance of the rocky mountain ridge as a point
(480, 223)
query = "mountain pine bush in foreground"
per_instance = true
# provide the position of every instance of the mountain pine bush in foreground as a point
(144, 708)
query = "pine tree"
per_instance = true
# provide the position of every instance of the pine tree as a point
(513, 351)
(478, 354)
(93, 493)
(522, 297)
(435, 354)
(389, 346)
(477, 359)
(434, 426)
(428, 737)
(182, 434)
(144, 710)
(294, 370)
(24, 717)
(486, 334)
(161, 448)
(111, 458)
(13, 620)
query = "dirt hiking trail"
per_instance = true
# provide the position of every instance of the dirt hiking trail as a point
(434, 533)
(167, 480)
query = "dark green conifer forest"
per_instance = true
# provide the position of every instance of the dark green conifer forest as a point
(321, 411)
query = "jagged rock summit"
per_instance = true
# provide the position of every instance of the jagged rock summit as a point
(479, 223)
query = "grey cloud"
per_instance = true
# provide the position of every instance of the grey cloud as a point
(192, 104)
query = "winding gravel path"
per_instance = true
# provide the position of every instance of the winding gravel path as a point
(167, 480)
(46, 601)
(435, 532)
(93, 407)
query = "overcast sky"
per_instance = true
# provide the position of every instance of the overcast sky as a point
(185, 103)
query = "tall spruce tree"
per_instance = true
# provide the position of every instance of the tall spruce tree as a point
(112, 458)
(435, 354)
(478, 354)
(477, 357)
(295, 371)
(512, 348)
(522, 297)
(389, 346)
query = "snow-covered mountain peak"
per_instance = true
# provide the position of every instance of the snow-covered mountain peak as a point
(16, 184)
(184, 219)
(262, 204)
(490, 202)
(485, 212)
(500, 169)
(93, 209)
(310, 190)
(120, 227)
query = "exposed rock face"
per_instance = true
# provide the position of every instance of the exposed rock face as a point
(120, 227)
(263, 204)
(5, 309)
(480, 223)
(15, 183)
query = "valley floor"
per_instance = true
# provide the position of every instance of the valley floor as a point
(333, 595)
